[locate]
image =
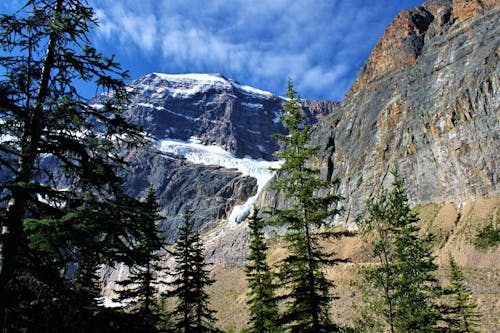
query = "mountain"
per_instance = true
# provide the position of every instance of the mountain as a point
(211, 144)
(426, 102)
(210, 149)
(216, 110)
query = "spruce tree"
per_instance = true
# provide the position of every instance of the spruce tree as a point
(404, 279)
(141, 289)
(191, 278)
(460, 312)
(62, 204)
(262, 302)
(310, 208)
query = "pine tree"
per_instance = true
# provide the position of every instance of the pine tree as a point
(404, 277)
(262, 302)
(191, 278)
(460, 312)
(302, 271)
(140, 289)
(60, 196)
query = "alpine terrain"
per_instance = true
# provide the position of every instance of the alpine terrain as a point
(426, 102)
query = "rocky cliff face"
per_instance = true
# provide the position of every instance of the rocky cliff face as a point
(425, 102)
(209, 191)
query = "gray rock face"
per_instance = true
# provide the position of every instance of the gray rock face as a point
(209, 107)
(425, 102)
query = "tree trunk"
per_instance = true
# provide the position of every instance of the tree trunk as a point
(12, 236)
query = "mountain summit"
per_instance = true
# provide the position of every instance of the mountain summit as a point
(211, 108)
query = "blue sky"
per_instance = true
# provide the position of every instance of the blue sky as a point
(320, 44)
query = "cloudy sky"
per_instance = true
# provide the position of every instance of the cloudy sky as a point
(320, 44)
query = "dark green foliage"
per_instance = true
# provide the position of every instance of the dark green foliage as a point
(402, 286)
(140, 289)
(62, 207)
(263, 306)
(192, 313)
(487, 237)
(460, 312)
(310, 207)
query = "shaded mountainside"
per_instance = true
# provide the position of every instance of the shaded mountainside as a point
(209, 191)
(425, 102)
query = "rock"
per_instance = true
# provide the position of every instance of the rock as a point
(427, 103)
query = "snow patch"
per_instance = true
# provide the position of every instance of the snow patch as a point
(277, 117)
(199, 77)
(254, 106)
(97, 106)
(252, 91)
(186, 85)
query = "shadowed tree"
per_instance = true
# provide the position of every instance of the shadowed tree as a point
(263, 307)
(141, 289)
(62, 207)
(192, 313)
(310, 208)
(460, 312)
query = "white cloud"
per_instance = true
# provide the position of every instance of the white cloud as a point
(320, 44)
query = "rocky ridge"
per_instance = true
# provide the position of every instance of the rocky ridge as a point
(425, 102)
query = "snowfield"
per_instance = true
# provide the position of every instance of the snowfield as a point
(185, 85)
(195, 152)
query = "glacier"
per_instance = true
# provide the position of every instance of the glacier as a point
(195, 152)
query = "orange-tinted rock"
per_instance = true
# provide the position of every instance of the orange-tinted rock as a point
(464, 10)
(399, 46)
(426, 102)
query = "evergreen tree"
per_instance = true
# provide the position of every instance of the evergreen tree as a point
(460, 312)
(140, 289)
(192, 313)
(263, 306)
(404, 277)
(62, 207)
(310, 207)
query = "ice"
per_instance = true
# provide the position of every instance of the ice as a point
(198, 153)
(277, 118)
(97, 106)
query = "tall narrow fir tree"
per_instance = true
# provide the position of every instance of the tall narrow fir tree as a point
(405, 275)
(262, 303)
(191, 278)
(311, 208)
(141, 288)
(461, 313)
